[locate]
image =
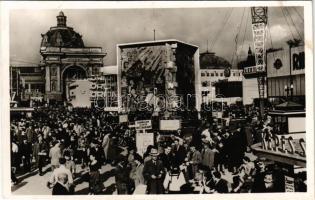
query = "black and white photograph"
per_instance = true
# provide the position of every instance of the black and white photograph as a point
(159, 100)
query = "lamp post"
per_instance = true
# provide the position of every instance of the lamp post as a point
(288, 90)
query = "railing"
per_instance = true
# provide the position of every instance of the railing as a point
(71, 50)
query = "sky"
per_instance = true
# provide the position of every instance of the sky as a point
(215, 29)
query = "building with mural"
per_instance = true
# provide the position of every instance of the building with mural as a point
(166, 71)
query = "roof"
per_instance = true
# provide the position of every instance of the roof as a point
(289, 105)
(155, 42)
(208, 60)
(62, 35)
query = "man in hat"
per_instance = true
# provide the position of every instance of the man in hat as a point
(154, 173)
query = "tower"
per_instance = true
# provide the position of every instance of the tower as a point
(61, 20)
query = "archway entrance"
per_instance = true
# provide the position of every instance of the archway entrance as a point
(69, 75)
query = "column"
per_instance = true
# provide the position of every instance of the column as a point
(47, 79)
(58, 79)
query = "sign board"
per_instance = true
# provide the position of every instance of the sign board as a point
(297, 60)
(259, 30)
(289, 184)
(143, 140)
(169, 125)
(278, 63)
(123, 118)
(143, 124)
(296, 125)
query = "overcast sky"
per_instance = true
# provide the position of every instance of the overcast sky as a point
(107, 28)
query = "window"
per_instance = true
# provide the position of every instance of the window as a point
(203, 74)
(212, 74)
(207, 73)
(221, 74)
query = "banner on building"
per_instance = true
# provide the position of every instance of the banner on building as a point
(278, 63)
(143, 140)
(297, 60)
(143, 124)
(169, 125)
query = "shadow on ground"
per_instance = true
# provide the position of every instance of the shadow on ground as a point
(15, 187)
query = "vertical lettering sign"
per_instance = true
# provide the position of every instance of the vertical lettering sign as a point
(259, 45)
(298, 60)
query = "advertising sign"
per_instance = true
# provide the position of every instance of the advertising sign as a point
(123, 118)
(143, 124)
(169, 125)
(289, 184)
(143, 140)
(297, 60)
(278, 63)
(259, 30)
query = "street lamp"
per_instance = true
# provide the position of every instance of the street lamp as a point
(289, 89)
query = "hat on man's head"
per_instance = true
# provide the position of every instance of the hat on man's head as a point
(154, 152)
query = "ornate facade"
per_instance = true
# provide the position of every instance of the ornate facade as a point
(65, 58)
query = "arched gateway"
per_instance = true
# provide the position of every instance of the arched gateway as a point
(65, 58)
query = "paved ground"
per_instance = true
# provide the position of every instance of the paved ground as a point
(33, 184)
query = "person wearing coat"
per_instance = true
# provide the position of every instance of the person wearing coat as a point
(26, 152)
(42, 154)
(179, 152)
(60, 188)
(122, 177)
(207, 155)
(194, 159)
(154, 173)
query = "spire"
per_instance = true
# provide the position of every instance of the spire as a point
(61, 19)
(249, 51)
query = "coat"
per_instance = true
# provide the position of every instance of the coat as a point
(207, 156)
(221, 186)
(154, 186)
(59, 189)
(180, 155)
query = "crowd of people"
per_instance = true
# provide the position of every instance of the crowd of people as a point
(76, 143)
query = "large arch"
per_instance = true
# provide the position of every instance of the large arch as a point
(69, 74)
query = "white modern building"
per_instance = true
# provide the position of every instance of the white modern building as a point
(217, 81)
